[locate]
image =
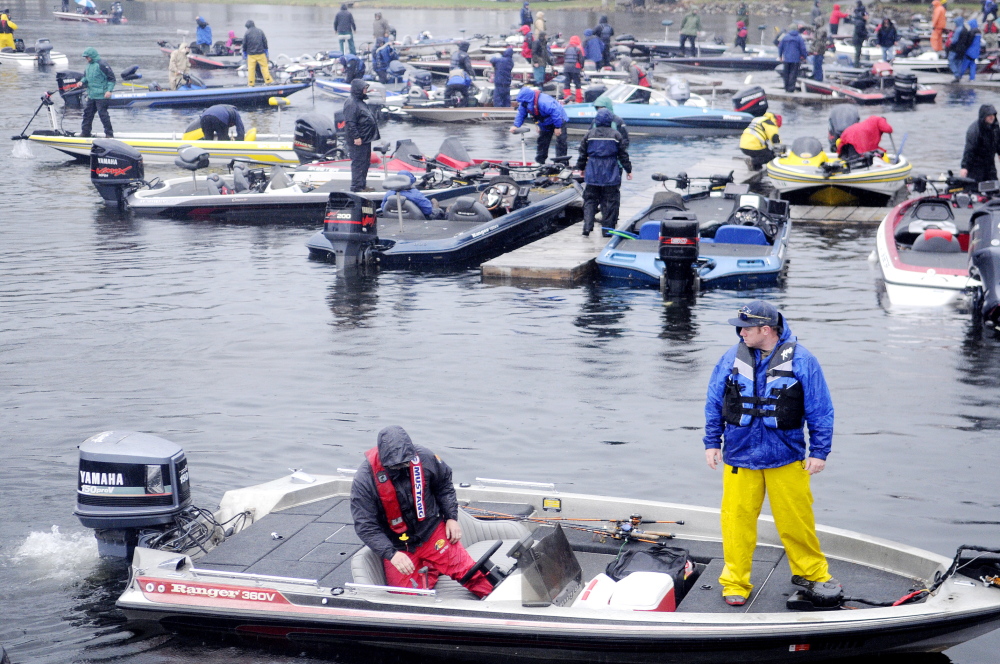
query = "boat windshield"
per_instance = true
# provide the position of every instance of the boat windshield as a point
(550, 572)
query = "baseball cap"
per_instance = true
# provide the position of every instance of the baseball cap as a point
(757, 314)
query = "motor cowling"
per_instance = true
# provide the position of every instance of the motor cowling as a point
(905, 88)
(70, 88)
(751, 100)
(315, 137)
(679, 240)
(984, 263)
(350, 226)
(43, 47)
(129, 482)
(116, 169)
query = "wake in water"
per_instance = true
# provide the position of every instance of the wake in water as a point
(57, 556)
(22, 150)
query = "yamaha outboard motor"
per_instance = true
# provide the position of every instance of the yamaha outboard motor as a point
(42, 48)
(679, 237)
(116, 170)
(315, 137)
(70, 89)
(129, 483)
(751, 100)
(984, 263)
(351, 228)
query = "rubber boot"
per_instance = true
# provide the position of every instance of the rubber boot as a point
(579, 96)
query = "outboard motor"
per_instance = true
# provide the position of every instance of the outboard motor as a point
(396, 71)
(905, 88)
(679, 237)
(751, 100)
(42, 48)
(351, 228)
(679, 89)
(115, 170)
(315, 137)
(421, 79)
(984, 263)
(129, 482)
(70, 89)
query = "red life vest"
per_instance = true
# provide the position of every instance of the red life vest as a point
(643, 81)
(387, 492)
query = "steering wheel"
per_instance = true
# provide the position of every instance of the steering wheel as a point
(481, 563)
(499, 195)
(747, 216)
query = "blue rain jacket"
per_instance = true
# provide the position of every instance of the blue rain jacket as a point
(548, 112)
(203, 35)
(602, 153)
(757, 446)
(503, 67)
(975, 47)
(383, 56)
(526, 18)
(593, 47)
(793, 47)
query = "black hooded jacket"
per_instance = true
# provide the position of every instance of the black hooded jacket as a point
(343, 22)
(982, 145)
(254, 40)
(359, 121)
(370, 523)
(460, 59)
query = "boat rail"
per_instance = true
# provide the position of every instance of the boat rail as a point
(362, 589)
(199, 572)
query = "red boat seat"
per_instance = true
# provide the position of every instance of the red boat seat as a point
(937, 240)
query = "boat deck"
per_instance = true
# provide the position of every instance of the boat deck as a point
(707, 249)
(317, 540)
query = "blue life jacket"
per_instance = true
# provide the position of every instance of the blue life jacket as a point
(783, 403)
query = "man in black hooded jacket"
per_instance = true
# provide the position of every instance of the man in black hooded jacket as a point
(360, 129)
(460, 59)
(982, 145)
(405, 509)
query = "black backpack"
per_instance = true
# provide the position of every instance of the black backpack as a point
(658, 558)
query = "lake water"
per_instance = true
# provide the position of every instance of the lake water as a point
(228, 341)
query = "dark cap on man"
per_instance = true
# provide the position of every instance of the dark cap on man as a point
(757, 314)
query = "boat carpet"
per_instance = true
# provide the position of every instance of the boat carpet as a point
(938, 260)
(707, 249)
(414, 230)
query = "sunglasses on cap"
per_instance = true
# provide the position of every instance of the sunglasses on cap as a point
(744, 315)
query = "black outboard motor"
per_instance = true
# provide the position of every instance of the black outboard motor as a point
(984, 263)
(116, 170)
(421, 79)
(315, 137)
(905, 88)
(679, 237)
(129, 482)
(751, 100)
(70, 88)
(42, 48)
(351, 228)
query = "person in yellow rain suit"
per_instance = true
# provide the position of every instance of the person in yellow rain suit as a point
(760, 394)
(7, 28)
(759, 137)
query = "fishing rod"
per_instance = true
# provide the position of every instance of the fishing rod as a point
(623, 528)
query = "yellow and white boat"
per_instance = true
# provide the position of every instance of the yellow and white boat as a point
(161, 148)
(807, 175)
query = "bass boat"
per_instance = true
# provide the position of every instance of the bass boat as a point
(666, 49)
(205, 61)
(808, 175)
(718, 235)
(39, 55)
(649, 112)
(77, 17)
(280, 562)
(936, 250)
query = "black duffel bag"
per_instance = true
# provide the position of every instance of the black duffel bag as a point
(671, 560)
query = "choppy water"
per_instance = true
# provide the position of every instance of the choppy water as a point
(227, 340)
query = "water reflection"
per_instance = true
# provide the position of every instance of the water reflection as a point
(678, 316)
(352, 297)
(602, 312)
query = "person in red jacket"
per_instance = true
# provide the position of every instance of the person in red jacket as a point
(862, 137)
(526, 44)
(836, 16)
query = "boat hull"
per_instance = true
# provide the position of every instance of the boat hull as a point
(238, 96)
(162, 148)
(59, 60)
(657, 120)
(807, 185)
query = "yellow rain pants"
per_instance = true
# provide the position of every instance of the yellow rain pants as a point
(788, 491)
(252, 62)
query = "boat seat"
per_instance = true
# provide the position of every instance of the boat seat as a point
(477, 537)
(279, 180)
(410, 209)
(191, 158)
(468, 208)
(938, 241)
(240, 181)
(650, 231)
(731, 234)
(215, 184)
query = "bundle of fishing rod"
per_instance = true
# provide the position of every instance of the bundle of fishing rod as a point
(626, 530)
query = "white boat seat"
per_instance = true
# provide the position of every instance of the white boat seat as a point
(477, 537)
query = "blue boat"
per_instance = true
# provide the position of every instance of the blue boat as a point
(718, 235)
(649, 112)
(242, 96)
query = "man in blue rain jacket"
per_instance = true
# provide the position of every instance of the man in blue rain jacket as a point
(551, 119)
(761, 393)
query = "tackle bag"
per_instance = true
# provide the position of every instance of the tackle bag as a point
(671, 560)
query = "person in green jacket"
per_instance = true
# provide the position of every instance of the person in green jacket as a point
(99, 80)
(689, 31)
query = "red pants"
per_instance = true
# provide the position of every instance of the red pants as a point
(440, 557)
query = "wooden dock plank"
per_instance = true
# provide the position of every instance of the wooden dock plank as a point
(565, 257)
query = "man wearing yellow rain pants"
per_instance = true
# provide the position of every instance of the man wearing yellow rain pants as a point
(760, 394)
